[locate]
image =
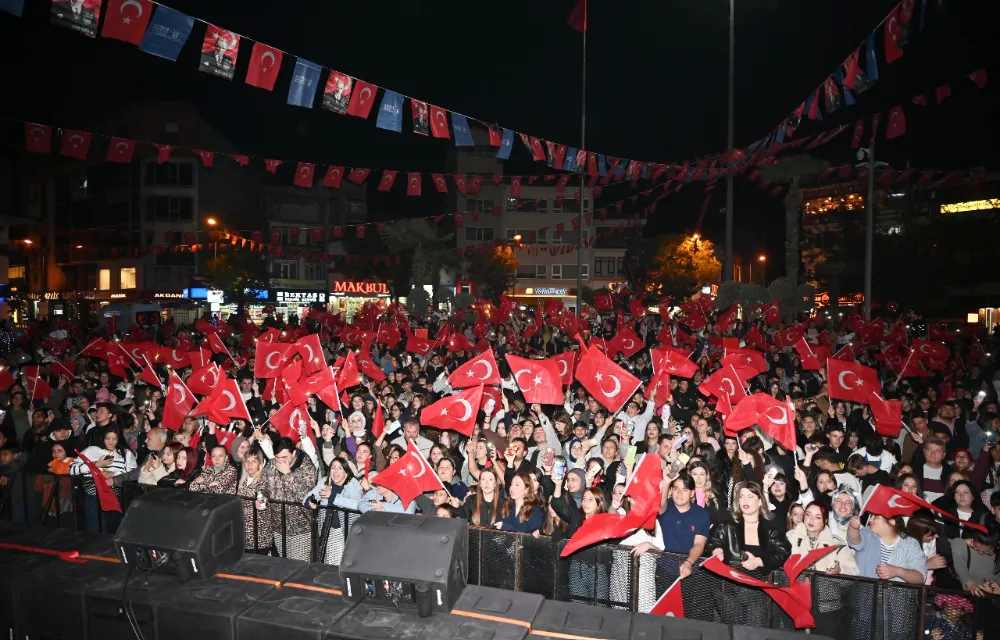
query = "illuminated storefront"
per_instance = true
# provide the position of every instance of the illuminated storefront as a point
(971, 206)
(348, 296)
(840, 202)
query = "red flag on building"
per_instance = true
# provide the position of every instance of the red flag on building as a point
(897, 123)
(851, 381)
(75, 144)
(539, 380)
(388, 179)
(409, 476)
(105, 494)
(456, 413)
(120, 150)
(439, 122)
(37, 138)
(265, 62)
(413, 184)
(305, 172)
(126, 20)
(893, 30)
(357, 175)
(362, 99)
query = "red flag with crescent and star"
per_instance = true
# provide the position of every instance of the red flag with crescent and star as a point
(409, 476)
(269, 359)
(178, 403)
(204, 380)
(265, 62)
(726, 380)
(851, 381)
(224, 403)
(673, 361)
(456, 413)
(290, 420)
(540, 381)
(120, 150)
(362, 99)
(126, 20)
(888, 502)
(566, 361)
(439, 122)
(888, 415)
(610, 385)
(776, 418)
(670, 604)
(627, 342)
(480, 370)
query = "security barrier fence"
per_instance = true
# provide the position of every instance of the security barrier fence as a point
(844, 607)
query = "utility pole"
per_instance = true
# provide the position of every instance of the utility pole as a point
(583, 145)
(727, 269)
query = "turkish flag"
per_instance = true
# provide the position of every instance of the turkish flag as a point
(457, 412)
(673, 361)
(333, 177)
(388, 178)
(419, 346)
(789, 336)
(810, 361)
(75, 144)
(670, 604)
(95, 349)
(897, 123)
(851, 381)
(178, 403)
(149, 376)
(291, 420)
(409, 476)
(859, 132)
(389, 336)
(269, 359)
(330, 394)
(224, 403)
(603, 301)
(357, 176)
(480, 370)
(727, 318)
(893, 30)
(746, 358)
(318, 381)
(126, 20)
(59, 368)
(539, 380)
(927, 350)
(217, 346)
(413, 184)
(369, 369)
(596, 529)
(378, 422)
(39, 388)
(611, 385)
(362, 99)
(755, 338)
(349, 375)
(726, 380)
(173, 357)
(304, 174)
(627, 342)
(106, 496)
(776, 418)
(439, 182)
(888, 415)
(37, 138)
(888, 502)
(846, 354)
(120, 150)
(265, 62)
(199, 358)
(203, 380)
(566, 361)
(439, 122)
(312, 353)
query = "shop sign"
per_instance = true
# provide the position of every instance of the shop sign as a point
(167, 296)
(299, 297)
(343, 287)
(546, 291)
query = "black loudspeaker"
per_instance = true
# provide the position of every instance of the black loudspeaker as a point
(407, 561)
(487, 602)
(367, 621)
(648, 627)
(305, 607)
(165, 609)
(761, 633)
(581, 621)
(184, 533)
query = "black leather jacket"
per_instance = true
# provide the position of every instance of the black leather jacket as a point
(774, 545)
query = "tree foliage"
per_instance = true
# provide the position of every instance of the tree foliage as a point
(684, 264)
(238, 274)
(495, 270)
(424, 246)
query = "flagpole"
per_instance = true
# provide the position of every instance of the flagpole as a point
(727, 269)
(583, 145)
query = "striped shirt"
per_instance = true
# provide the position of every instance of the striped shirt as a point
(905, 552)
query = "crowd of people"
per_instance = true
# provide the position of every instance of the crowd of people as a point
(544, 470)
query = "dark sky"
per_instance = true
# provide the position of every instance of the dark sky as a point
(657, 80)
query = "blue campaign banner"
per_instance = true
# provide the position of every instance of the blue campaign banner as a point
(570, 163)
(168, 31)
(305, 80)
(506, 144)
(602, 164)
(463, 135)
(13, 7)
(390, 113)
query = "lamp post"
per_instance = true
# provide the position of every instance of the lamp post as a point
(210, 221)
(727, 268)
(762, 259)
(867, 159)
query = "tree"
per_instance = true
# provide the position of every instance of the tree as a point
(795, 172)
(685, 263)
(495, 270)
(239, 274)
(423, 246)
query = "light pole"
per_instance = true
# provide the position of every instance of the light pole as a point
(869, 155)
(762, 259)
(727, 268)
(215, 241)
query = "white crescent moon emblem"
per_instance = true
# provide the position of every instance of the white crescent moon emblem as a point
(563, 368)
(361, 96)
(519, 372)
(120, 145)
(335, 173)
(617, 390)
(923, 349)
(630, 345)
(267, 360)
(304, 172)
(386, 180)
(489, 369)
(442, 120)
(296, 422)
(423, 469)
(729, 383)
(137, 355)
(840, 379)
(893, 502)
(440, 182)
(738, 576)
(173, 356)
(180, 390)
(784, 415)
(215, 376)
(310, 349)
(266, 54)
(73, 140)
(413, 181)
(468, 410)
(131, 3)
(515, 183)
(232, 400)
(40, 133)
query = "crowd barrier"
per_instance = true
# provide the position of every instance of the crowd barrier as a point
(611, 576)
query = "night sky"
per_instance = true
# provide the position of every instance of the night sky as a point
(656, 73)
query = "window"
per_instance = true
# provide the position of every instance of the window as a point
(570, 236)
(286, 235)
(607, 267)
(170, 174)
(480, 234)
(542, 237)
(127, 276)
(557, 272)
(569, 272)
(169, 132)
(531, 271)
(355, 211)
(14, 273)
(315, 271)
(484, 206)
(169, 208)
(104, 280)
(285, 269)
(585, 270)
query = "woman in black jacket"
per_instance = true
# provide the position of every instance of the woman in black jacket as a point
(753, 542)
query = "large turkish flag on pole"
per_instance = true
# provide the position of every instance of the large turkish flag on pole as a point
(851, 381)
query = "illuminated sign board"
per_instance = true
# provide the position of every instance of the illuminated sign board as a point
(972, 205)
(215, 296)
(362, 288)
(163, 295)
(545, 291)
(299, 297)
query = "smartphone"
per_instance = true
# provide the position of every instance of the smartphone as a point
(679, 441)
(558, 470)
(548, 457)
(630, 456)
(991, 438)
(684, 458)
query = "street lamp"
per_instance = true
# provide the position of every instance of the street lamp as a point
(28, 241)
(762, 259)
(727, 270)
(210, 221)
(517, 238)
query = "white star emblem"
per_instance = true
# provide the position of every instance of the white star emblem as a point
(598, 377)
(538, 380)
(444, 412)
(469, 373)
(127, 20)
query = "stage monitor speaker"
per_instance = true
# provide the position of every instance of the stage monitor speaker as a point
(763, 633)
(649, 627)
(367, 621)
(569, 619)
(306, 606)
(407, 561)
(184, 533)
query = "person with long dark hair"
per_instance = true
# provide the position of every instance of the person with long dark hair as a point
(482, 506)
(115, 460)
(977, 561)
